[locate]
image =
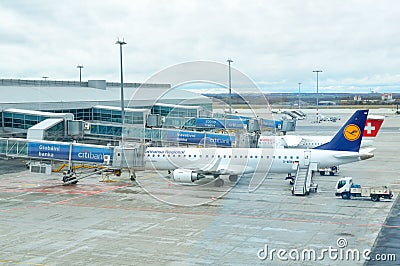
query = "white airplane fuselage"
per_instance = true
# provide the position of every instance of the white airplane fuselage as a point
(237, 161)
(307, 142)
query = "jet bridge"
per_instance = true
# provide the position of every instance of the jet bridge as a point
(130, 155)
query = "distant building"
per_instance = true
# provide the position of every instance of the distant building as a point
(387, 97)
(326, 103)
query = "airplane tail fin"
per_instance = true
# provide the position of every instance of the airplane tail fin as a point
(372, 125)
(348, 138)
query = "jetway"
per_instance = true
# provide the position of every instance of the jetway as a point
(131, 155)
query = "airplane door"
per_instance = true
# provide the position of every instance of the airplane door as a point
(307, 157)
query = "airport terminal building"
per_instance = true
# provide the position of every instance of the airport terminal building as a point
(90, 112)
(25, 103)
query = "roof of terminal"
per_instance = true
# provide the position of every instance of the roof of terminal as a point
(36, 91)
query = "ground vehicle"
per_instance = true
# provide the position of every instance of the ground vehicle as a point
(347, 189)
(334, 170)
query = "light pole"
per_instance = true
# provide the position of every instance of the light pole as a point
(80, 73)
(299, 94)
(230, 85)
(122, 81)
(317, 71)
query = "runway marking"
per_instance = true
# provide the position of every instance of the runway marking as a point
(81, 195)
(264, 217)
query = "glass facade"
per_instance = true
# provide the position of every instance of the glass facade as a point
(56, 132)
(84, 114)
(175, 110)
(22, 121)
(132, 117)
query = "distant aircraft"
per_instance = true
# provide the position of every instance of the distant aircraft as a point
(372, 126)
(192, 164)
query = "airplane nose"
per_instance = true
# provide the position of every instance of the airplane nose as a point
(366, 156)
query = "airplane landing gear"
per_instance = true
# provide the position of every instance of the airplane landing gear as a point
(219, 182)
(70, 178)
(233, 178)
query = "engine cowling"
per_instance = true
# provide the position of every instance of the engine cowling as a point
(185, 175)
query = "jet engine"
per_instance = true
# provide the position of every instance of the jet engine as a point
(185, 175)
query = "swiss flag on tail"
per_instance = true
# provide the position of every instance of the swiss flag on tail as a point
(372, 125)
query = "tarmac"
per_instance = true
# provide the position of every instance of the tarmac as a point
(155, 222)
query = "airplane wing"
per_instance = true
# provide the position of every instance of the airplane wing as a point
(363, 154)
(219, 167)
(366, 150)
(212, 167)
(347, 155)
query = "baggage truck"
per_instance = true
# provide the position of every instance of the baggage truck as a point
(347, 189)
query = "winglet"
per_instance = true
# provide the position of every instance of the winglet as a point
(348, 138)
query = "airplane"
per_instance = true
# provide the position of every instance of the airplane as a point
(372, 126)
(188, 165)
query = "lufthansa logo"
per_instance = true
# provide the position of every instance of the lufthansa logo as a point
(352, 132)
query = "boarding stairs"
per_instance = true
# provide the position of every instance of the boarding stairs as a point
(303, 183)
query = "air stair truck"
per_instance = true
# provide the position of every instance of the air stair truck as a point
(347, 189)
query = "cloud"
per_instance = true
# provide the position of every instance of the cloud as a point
(276, 43)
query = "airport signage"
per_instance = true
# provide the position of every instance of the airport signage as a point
(200, 138)
(59, 151)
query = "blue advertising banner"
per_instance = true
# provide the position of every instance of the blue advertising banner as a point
(48, 150)
(236, 123)
(90, 154)
(57, 151)
(221, 123)
(209, 123)
(272, 123)
(219, 139)
(198, 138)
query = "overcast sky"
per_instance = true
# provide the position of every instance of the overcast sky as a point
(276, 43)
